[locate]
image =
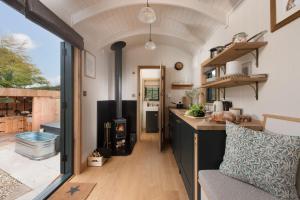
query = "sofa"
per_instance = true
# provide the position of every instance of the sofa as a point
(217, 186)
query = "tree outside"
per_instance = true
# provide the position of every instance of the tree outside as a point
(16, 69)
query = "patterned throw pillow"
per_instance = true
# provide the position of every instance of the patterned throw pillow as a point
(267, 161)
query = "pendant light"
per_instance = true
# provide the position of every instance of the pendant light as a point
(147, 14)
(150, 45)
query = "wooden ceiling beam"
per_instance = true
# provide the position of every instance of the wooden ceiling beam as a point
(19, 5)
(40, 14)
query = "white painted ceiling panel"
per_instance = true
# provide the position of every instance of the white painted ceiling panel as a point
(186, 24)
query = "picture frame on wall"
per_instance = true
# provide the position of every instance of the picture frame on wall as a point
(283, 12)
(90, 65)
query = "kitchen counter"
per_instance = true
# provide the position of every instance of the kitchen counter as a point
(198, 144)
(205, 124)
(14, 124)
(11, 117)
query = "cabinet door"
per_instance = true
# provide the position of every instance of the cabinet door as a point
(2, 126)
(9, 125)
(171, 129)
(21, 124)
(177, 143)
(15, 125)
(187, 157)
(151, 121)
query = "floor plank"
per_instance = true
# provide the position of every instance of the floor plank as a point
(146, 174)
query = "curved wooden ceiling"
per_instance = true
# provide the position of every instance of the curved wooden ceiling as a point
(186, 24)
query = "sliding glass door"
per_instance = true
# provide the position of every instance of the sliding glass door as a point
(66, 120)
(58, 99)
(67, 57)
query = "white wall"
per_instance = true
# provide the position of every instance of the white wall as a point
(280, 59)
(163, 55)
(102, 88)
(97, 89)
(150, 73)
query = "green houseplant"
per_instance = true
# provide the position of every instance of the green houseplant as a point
(196, 110)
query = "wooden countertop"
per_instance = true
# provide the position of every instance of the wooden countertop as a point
(12, 116)
(205, 124)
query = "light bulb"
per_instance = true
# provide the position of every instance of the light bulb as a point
(147, 15)
(150, 45)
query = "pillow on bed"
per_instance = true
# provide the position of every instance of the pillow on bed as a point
(267, 161)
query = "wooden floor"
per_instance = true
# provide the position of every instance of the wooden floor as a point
(146, 174)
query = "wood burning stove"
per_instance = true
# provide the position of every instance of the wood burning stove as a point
(106, 112)
(119, 134)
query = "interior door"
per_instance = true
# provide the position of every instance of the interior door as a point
(162, 108)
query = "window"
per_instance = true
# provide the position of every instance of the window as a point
(151, 94)
(211, 93)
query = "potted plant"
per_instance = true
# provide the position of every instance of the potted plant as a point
(196, 110)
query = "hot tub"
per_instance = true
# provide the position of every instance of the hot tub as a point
(55, 129)
(36, 145)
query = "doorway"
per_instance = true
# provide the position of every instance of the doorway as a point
(36, 107)
(151, 104)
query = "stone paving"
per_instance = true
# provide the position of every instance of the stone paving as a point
(35, 174)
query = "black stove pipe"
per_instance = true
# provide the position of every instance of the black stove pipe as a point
(117, 47)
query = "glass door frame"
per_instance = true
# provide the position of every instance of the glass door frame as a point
(66, 121)
(35, 11)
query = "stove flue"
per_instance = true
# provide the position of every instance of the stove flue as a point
(120, 137)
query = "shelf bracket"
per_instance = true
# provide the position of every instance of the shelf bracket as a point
(255, 88)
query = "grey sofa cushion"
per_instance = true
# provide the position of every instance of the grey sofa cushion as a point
(267, 161)
(221, 187)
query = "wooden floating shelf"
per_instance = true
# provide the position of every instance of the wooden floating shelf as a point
(233, 52)
(182, 86)
(233, 82)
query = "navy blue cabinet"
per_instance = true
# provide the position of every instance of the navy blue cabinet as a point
(182, 140)
(172, 129)
(152, 121)
(210, 146)
(187, 156)
(177, 143)
(174, 132)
